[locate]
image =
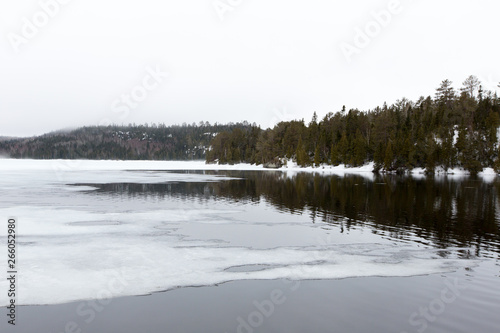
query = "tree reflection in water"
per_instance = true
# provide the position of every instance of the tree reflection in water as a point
(445, 211)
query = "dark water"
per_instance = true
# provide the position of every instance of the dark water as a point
(442, 211)
(452, 215)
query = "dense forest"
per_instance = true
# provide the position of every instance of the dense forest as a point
(454, 128)
(132, 142)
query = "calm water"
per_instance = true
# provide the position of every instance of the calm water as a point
(287, 252)
(442, 212)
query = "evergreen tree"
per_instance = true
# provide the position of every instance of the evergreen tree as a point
(317, 158)
(343, 148)
(334, 155)
(470, 157)
(461, 144)
(447, 150)
(389, 157)
(430, 155)
(445, 93)
(302, 157)
(359, 149)
(379, 157)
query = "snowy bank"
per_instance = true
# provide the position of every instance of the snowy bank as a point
(290, 167)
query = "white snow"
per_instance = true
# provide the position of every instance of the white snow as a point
(109, 165)
(418, 171)
(455, 135)
(488, 175)
(324, 168)
(60, 167)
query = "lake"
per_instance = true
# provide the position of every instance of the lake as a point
(170, 247)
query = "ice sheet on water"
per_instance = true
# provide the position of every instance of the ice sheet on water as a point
(111, 165)
(81, 188)
(70, 254)
(42, 176)
(61, 168)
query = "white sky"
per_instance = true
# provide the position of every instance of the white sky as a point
(267, 60)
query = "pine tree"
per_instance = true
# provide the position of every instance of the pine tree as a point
(302, 156)
(389, 157)
(420, 148)
(343, 148)
(412, 152)
(445, 94)
(470, 157)
(317, 158)
(236, 155)
(359, 149)
(430, 158)
(378, 157)
(334, 155)
(446, 149)
(461, 144)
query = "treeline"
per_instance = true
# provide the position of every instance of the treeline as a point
(452, 129)
(132, 142)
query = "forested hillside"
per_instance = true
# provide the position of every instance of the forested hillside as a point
(156, 142)
(454, 128)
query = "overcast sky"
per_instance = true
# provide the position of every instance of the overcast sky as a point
(70, 63)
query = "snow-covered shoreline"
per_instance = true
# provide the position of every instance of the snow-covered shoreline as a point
(67, 165)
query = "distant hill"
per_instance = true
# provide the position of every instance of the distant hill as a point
(144, 142)
(5, 138)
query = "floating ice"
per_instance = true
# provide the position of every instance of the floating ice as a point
(70, 250)
(68, 255)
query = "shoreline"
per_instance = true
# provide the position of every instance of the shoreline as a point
(153, 165)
